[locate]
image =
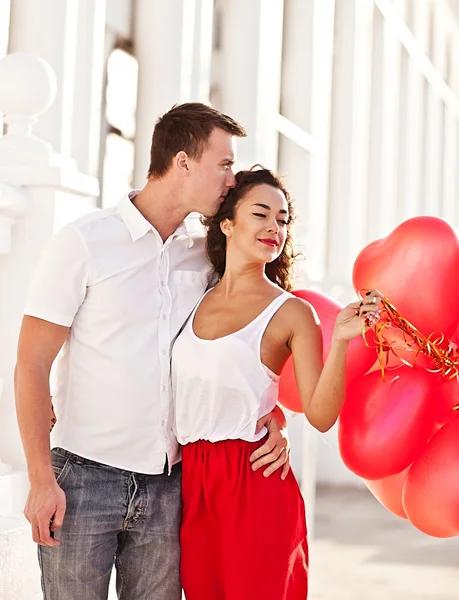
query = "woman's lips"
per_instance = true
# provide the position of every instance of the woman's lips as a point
(269, 242)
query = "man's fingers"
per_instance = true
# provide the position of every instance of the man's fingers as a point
(285, 470)
(262, 422)
(266, 457)
(35, 533)
(58, 517)
(267, 448)
(275, 465)
(45, 533)
(269, 458)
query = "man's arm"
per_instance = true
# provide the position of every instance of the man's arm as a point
(39, 344)
(275, 452)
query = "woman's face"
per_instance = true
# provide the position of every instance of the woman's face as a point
(260, 225)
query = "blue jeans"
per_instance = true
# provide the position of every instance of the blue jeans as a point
(114, 517)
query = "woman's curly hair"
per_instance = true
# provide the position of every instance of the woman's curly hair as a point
(280, 270)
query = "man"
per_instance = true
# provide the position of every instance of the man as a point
(112, 290)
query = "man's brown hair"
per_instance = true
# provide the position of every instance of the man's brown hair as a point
(186, 127)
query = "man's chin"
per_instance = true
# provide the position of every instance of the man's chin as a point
(212, 212)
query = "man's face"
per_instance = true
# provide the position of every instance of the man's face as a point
(211, 175)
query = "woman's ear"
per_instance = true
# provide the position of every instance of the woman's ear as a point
(226, 226)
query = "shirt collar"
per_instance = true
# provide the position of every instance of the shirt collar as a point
(137, 224)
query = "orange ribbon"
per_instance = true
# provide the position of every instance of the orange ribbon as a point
(442, 352)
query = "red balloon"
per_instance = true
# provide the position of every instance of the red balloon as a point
(416, 267)
(359, 357)
(389, 492)
(403, 352)
(431, 491)
(446, 401)
(385, 424)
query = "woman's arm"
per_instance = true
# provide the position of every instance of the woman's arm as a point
(322, 388)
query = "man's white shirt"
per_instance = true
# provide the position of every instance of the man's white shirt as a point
(125, 296)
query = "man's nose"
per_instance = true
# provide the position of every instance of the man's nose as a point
(231, 179)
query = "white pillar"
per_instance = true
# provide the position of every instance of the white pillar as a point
(89, 81)
(323, 47)
(38, 188)
(350, 137)
(451, 156)
(384, 141)
(47, 190)
(413, 86)
(4, 27)
(435, 124)
(297, 91)
(48, 28)
(249, 75)
(354, 78)
(200, 84)
(172, 47)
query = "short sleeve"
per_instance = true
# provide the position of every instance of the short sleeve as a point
(59, 283)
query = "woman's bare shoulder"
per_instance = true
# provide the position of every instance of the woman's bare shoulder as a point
(300, 315)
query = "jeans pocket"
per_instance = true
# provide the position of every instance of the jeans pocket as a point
(61, 464)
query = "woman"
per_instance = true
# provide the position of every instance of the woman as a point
(243, 535)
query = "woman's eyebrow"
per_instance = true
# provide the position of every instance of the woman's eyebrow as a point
(266, 207)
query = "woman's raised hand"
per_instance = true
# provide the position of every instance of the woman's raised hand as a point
(357, 316)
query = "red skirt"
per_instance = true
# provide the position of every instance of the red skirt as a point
(243, 535)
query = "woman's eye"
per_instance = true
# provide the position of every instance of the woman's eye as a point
(259, 215)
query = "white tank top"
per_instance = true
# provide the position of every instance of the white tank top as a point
(221, 387)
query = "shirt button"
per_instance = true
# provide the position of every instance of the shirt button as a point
(164, 352)
(164, 388)
(164, 317)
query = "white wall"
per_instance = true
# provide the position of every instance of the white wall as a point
(339, 108)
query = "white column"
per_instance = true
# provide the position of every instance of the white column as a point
(48, 190)
(171, 39)
(384, 141)
(200, 84)
(354, 78)
(4, 27)
(297, 89)
(89, 81)
(451, 156)
(435, 124)
(37, 189)
(323, 47)
(48, 28)
(360, 198)
(249, 77)
(411, 170)
(341, 142)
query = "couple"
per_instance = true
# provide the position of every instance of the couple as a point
(110, 295)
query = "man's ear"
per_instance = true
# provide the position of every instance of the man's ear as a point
(182, 160)
(227, 227)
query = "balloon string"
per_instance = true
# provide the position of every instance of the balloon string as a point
(442, 352)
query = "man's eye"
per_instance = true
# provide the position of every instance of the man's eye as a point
(283, 222)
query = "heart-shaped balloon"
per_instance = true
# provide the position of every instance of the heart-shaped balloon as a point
(385, 424)
(389, 492)
(416, 267)
(431, 490)
(447, 400)
(358, 360)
